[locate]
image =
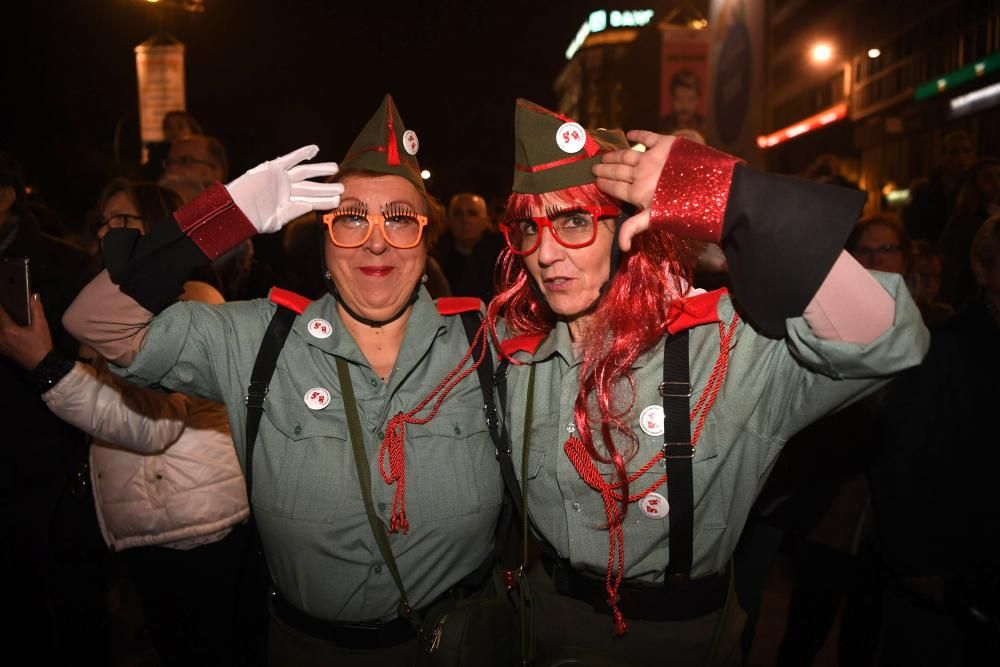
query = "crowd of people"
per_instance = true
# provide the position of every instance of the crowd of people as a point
(286, 437)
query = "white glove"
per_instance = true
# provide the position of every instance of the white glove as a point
(276, 192)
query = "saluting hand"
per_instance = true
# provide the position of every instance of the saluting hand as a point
(274, 193)
(27, 346)
(631, 176)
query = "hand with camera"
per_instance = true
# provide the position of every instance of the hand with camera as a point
(26, 345)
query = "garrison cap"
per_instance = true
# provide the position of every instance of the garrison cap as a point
(553, 152)
(385, 146)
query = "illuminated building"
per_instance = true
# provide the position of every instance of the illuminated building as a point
(906, 72)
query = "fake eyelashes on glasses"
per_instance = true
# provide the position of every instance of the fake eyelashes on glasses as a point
(388, 211)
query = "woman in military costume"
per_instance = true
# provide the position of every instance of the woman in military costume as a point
(369, 383)
(645, 415)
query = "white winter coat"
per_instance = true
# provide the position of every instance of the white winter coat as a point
(171, 478)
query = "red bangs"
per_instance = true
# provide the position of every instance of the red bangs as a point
(577, 195)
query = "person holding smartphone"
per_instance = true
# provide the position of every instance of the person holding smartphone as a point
(51, 547)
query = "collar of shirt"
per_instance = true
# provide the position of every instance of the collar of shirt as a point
(422, 329)
(559, 343)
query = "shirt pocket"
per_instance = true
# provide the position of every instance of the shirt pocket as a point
(303, 464)
(711, 505)
(451, 468)
(545, 434)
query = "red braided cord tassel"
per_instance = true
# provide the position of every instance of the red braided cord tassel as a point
(391, 149)
(588, 471)
(394, 441)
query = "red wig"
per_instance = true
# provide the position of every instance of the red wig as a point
(633, 316)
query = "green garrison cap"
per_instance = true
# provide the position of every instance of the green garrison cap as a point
(385, 146)
(552, 152)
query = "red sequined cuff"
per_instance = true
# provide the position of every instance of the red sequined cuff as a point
(690, 197)
(214, 222)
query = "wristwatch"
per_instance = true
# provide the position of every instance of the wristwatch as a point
(52, 368)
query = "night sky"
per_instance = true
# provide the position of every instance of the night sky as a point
(266, 77)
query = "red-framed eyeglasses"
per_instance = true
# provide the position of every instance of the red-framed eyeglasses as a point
(573, 227)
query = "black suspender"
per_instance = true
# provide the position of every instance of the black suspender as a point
(501, 441)
(677, 454)
(260, 378)
(510, 482)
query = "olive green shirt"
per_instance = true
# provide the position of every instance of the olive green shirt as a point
(307, 501)
(772, 389)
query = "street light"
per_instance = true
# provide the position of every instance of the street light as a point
(425, 174)
(874, 53)
(821, 52)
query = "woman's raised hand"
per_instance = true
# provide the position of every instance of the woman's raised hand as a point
(630, 175)
(276, 192)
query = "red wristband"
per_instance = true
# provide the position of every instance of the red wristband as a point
(690, 197)
(214, 222)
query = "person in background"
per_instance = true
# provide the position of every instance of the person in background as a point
(935, 486)
(195, 162)
(685, 94)
(167, 486)
(52, 551)
(933, 198)
(467, 252)
(879, 243)
(814, 505)
(978, 199)
(923, 277)
(177, 125)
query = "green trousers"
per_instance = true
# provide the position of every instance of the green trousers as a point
(570, 632)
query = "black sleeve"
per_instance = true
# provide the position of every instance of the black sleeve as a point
(781, 236)
(152, 268)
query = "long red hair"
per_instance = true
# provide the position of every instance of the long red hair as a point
(632, 315)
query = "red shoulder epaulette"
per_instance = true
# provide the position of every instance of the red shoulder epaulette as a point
(289, 300)
(453, 305)
(693, 311)
(525, 343)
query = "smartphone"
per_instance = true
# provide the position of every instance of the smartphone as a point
(15, 289)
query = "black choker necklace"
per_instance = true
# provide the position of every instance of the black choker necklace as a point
(332, 288)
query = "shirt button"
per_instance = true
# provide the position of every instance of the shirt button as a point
(297, 430)
(377, 569)
(458, 430)
(381, 435)
(374, 382)
(576, 506)
(382, 506)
